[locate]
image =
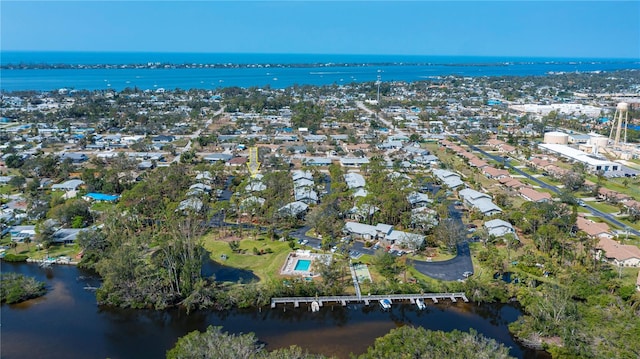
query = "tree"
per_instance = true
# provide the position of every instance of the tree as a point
(449, 232)
(45, 231)
(417, 342)
(386, 263)
(17, 181)
(13, 161)
(214, 343)
(572, 181)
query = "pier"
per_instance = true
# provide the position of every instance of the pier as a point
(345, 299)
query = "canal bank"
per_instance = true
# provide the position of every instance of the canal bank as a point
(67, 323)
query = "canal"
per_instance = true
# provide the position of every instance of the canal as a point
(67, 323)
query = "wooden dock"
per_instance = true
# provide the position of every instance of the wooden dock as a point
(345, 299)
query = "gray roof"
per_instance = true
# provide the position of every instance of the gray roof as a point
(218, 157)
(300, 174)
(63, 235)
(317, 161)
(303, 183)
(410, 240)
(361, 229)
(340, 137)
(315, 138)
(354, 180)
(305, 193)
(449, 178)
(498, 227)
(417, 197)
(70, 185)
(192, 203)
(293, 209)
(350, 161)
(481, 201)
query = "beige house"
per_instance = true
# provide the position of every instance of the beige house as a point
(623, 255)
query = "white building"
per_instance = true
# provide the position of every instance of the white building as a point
(592, 164)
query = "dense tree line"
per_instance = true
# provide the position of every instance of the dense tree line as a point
(402, 343)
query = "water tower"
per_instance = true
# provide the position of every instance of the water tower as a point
(621, 116)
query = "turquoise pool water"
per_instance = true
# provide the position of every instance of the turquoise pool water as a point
(303, 264)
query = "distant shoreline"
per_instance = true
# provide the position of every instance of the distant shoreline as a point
(168, 65)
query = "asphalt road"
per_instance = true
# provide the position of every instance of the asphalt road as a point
(555, 189)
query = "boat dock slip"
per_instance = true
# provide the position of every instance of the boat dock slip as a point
(366, 299)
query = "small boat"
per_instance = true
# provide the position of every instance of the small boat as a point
(385, 304)
(315, 306)
(420, 303)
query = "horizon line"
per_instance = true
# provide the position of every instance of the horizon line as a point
(322, 54)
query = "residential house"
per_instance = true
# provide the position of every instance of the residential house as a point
(215, 157)
(295, 209)
(74, 157)
(66, 235)
(448, 178)
(191, 204)
(492, 172)
(162, 139)
(363, 212)
(593, 229)
(498, 227)
(624, 255)
(532, 195)
(316, 161)
(71, 185)
(404, 240)
(353, 162)
(236, 162)
(511, 182)
(417, 199)
(480, 201)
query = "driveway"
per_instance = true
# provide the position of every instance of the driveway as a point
(451, 269)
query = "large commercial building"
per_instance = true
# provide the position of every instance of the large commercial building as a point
(592, 164)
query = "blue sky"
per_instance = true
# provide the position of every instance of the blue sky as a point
(575, 29)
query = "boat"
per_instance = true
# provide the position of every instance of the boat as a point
(385, 304)
(315, 306)
(420, 303)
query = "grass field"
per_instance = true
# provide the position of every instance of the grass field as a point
(604, 207)
(264, 266)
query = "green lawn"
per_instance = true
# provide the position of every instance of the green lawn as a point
(6, 189)
(102, 206)
(265, 266)
(604, 207)
(632, 187)
(54, 251)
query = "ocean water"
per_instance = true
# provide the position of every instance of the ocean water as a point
(387, 67)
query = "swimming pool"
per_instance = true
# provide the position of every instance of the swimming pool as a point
(303, 265)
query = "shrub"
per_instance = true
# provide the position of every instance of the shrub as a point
(16, 288)
(10, 257)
